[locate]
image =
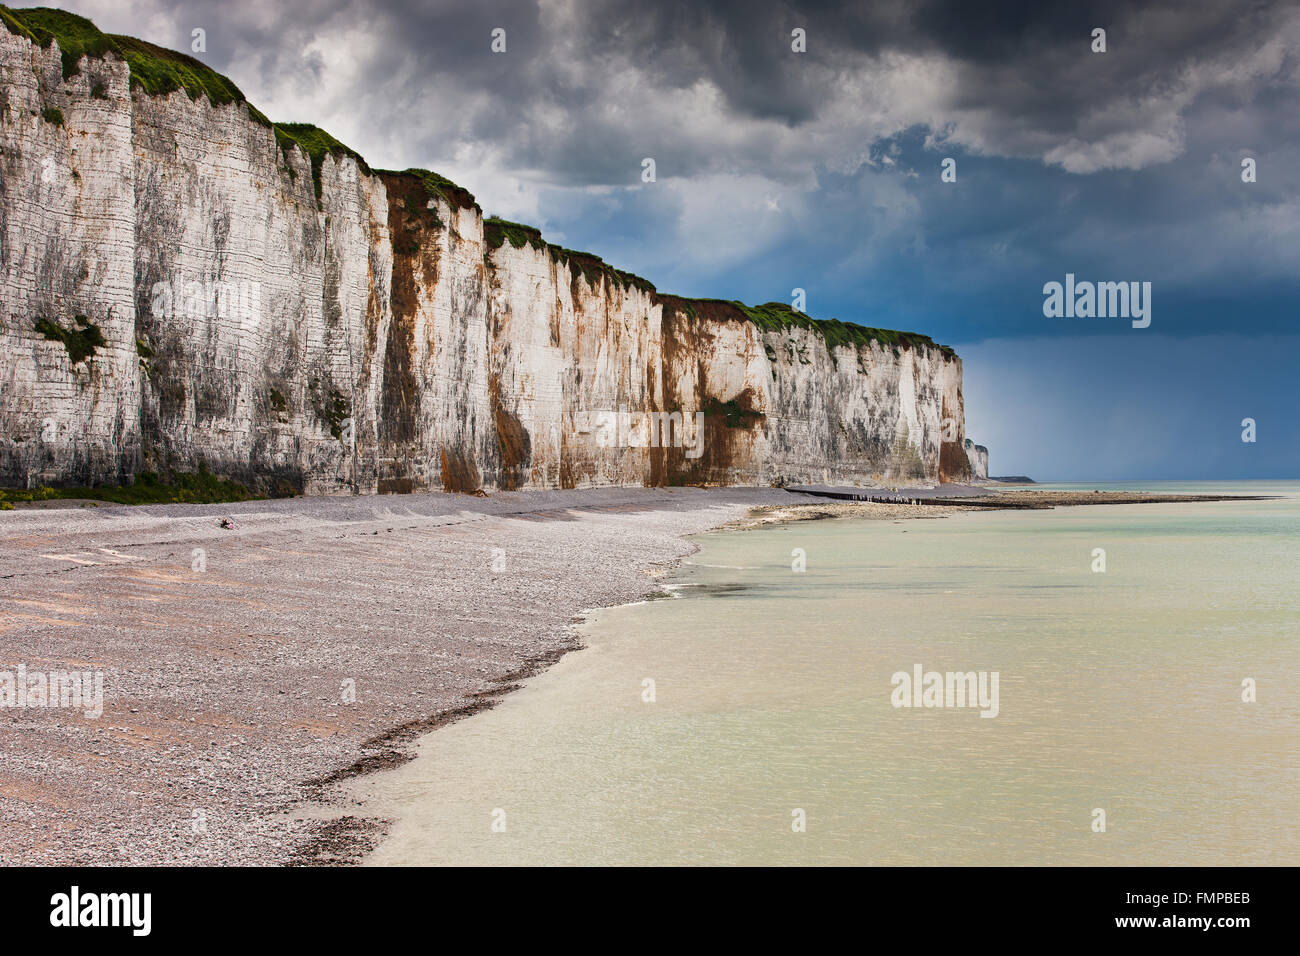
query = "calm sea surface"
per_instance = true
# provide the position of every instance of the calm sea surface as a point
(1118, 691)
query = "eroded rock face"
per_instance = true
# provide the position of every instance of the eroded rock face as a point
(67, 222)
(978, 456)
(371, 339)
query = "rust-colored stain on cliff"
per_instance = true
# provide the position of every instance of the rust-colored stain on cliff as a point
(953, 463)
(459, 473)
(414, 255)
(512, 438)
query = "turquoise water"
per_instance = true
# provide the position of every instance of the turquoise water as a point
(1119, 691)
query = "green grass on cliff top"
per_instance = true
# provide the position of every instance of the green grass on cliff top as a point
(439, 186)
(770, 316)
(154, 70)
(315, 144)
(498, 231)
(778, 317)
(158, 71)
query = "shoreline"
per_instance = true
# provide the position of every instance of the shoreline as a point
(222, 703)
(222, 686)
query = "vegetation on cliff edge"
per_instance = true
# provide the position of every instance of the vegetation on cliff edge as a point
(778, 317)
(315, 144)
(438, 186)
(498, 231)
(155, 70)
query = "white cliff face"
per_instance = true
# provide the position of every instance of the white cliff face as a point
(431, 402)
(978, 456)
(861, 413)
(262, 308)
(376, 338)
(67, 197)
(563, 352)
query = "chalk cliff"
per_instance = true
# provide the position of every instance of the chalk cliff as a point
(186, 285)
(978, 456)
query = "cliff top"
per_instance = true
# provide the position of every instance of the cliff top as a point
(778, 316)
(154, 70)
(770, 316)
(315, 144)
(435, 185)
(498, 231)
(157, 72)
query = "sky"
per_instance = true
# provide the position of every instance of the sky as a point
(821, 170)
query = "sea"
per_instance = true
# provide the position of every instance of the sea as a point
(1090, 685)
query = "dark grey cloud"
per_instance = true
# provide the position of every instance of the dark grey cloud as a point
(751, 139)
(586, 84)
